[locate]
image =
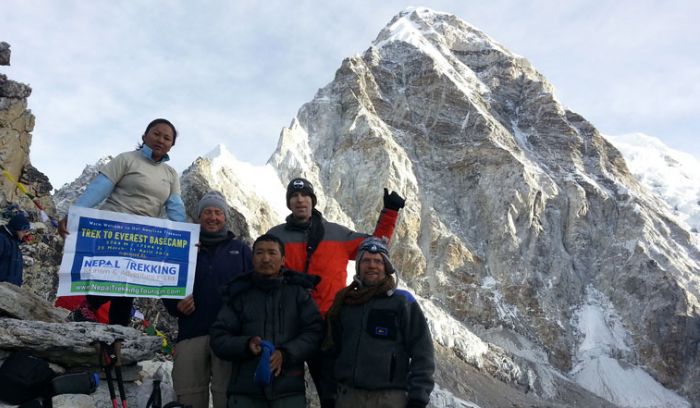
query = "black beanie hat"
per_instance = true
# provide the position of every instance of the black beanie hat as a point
(18, 222)
(303, 185)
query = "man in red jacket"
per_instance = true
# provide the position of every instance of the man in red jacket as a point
(316, 246)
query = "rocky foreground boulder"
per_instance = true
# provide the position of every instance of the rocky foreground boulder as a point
(31, 324)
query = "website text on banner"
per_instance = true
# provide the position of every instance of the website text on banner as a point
(116, 254)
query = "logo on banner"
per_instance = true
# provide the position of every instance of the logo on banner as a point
(136, 271)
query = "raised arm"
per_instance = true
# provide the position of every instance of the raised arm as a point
(393, 202)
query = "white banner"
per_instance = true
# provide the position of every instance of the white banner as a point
(116, 254)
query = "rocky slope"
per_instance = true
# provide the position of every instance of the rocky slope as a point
(65, 196)
(16, 124)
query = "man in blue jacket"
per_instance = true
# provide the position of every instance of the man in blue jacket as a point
(221, 257)
(11, 235)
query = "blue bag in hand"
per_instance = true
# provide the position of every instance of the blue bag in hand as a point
(263, 373)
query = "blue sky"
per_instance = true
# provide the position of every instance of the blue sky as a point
(236, 72)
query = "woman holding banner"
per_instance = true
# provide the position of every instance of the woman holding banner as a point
(137, 182)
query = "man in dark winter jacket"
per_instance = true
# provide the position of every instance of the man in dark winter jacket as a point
(267, 328)
(221, 257)
(11, 235)
(318, 247)
(379, 338)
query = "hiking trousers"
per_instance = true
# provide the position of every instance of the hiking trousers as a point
(240, 401)
(194, 368)
(355, 398)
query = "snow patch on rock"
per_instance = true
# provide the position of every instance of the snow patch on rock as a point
(602, 365)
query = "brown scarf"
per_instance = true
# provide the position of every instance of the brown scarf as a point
(353, 294)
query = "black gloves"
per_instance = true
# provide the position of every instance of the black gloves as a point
(414, 403)
(393, 201)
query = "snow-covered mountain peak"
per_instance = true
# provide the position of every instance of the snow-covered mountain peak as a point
(221, 157)
(669, 173)
(443, 38)
(220, 150)
(414, 23)
(223, 168)
(69, 192)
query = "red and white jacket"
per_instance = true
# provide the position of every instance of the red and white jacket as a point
(330, 259)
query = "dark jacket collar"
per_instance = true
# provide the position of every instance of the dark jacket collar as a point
(248, 280)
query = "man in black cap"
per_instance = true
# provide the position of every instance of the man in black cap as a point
(379, 338)
(316, 246)
(11, 235)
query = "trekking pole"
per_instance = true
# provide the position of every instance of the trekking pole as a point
(116, 348)
(155, 400)
(120, 384)
(107, 360)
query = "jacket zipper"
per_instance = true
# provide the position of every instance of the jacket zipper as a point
(267, 314)
(392, 367)
(359, 340)
(280, 317)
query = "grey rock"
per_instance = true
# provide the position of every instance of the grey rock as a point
(69, 192)
(33, 177)
(73, 344)
(4, 53)
(20, 303)
(12, 89)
